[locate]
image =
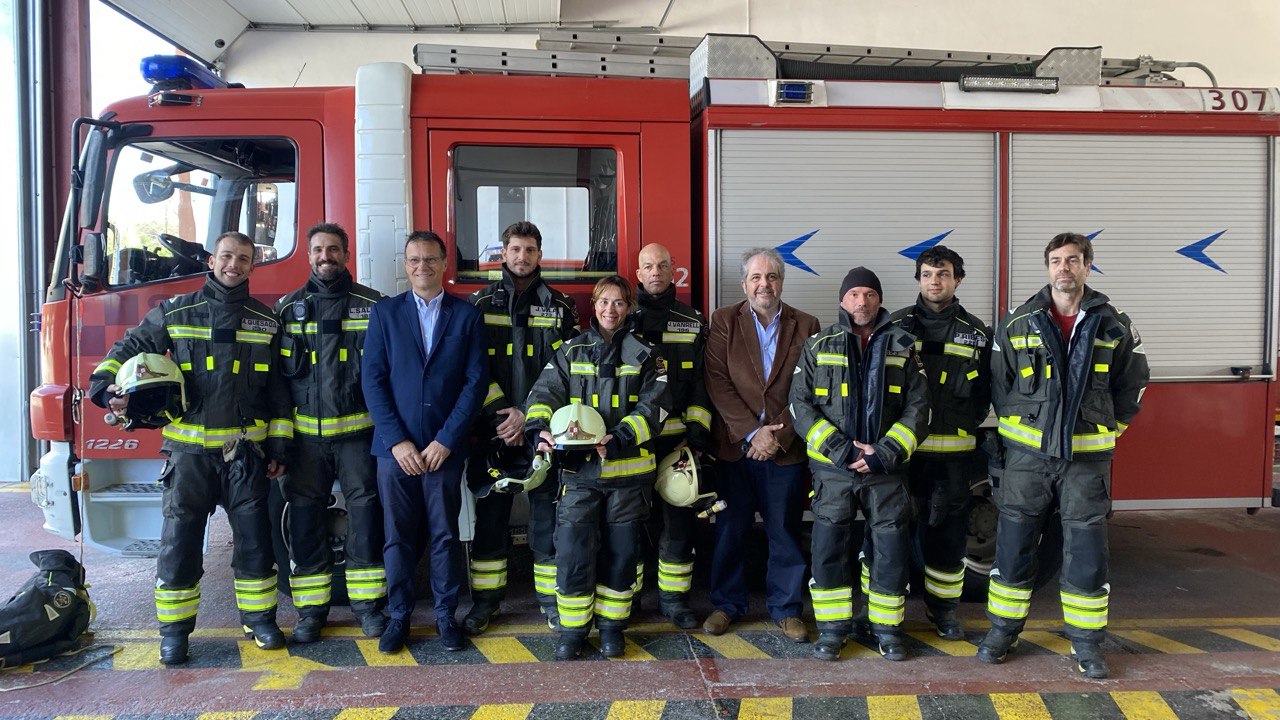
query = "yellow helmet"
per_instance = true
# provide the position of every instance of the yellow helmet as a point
(577, 425)
(155, 388)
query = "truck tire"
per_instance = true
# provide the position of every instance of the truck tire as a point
(981, 551)
(279, 514)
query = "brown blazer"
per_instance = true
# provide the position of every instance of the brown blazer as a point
(736, 383)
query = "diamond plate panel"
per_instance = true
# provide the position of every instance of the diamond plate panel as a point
(1073, 66)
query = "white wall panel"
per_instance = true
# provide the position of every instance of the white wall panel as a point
(1147, 197)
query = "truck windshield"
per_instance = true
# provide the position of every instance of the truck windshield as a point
(570, 193)
(171, 199)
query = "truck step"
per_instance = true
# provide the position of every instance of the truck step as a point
(129, 489)
(142, 549)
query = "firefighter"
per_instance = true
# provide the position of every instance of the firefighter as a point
(1067, 375)
(324, 324)
(226, 344)
(860, 400)
(525, 322)
(680, 333)
(605, 499)
(955, 348)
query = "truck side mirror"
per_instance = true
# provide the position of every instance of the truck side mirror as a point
(153, 187)
(93, 262)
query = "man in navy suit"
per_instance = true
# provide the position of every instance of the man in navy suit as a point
(425, 376)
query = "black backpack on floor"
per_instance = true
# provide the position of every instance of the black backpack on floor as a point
(48, 613)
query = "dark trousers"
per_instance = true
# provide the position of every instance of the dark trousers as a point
(598, 533)
(1028, 492)
(941, 491)
(420, 513)
(777, 493)
(195, 484)
(492, 540)
(313, 468)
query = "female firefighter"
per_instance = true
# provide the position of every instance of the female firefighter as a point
(600, 402)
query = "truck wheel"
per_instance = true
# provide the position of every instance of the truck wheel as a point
(337, 520)
(981, 551)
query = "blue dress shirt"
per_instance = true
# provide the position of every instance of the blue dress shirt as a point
(428, 315)
(768, 337)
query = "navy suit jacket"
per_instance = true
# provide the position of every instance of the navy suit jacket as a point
(413, 397)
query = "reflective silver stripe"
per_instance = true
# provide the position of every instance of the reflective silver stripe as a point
(1011, 427)
(501, 320)
(833, 359)
(613, 604)
(679, 338)
(963, 351)
(629, 466)
(895, 360)
(904, 436)
(948, 443)
(575, 611)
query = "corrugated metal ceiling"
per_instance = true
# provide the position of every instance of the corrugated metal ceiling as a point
(206, 28)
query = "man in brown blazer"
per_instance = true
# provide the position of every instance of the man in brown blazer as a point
(751, 355)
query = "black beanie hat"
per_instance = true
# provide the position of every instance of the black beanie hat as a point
(860, 277)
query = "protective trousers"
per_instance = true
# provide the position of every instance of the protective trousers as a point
(941, 493)
(887, 506)
(491, 544)
(307, 487)
(598, 536)
(195, 484)
(1029, 490)
(676, 539)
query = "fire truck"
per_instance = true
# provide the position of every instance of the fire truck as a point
(836, 156)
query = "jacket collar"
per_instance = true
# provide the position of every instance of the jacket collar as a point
(1092, 299)
(220, 293)
(947, 313)
(882, 319)
(661, 300)
(340, 285)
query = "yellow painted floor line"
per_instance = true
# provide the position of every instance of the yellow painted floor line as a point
(1158, 642)
(84, 717)
(633, 651)
(280, 670)
(1258, 704)
(500, 650)
(893, 707)
(1052, 642)
(1143, 705)
(764, 708)
(514, 711)
(955, 648)
(734, 647)
(138, 656)
(373, 658)
(238, 715)
(1019, 706)
(636, 710)
(22, 487)
(1249, 637)
(379, 713)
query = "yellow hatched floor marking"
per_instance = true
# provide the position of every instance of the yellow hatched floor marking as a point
(1158, 642)
(138, 656)
(733, 647)
(1019, 706)
(632, 651)
(280, 670)
(84, 717)
(238, 715)
(1052, 642)
(378, 713)
(764, 708)
(1249, 637)
(853, 649)
(18, 487)
(1258, 704)
(893, 707)
(373, 658)
(500, 650)
(955, 648)
(513, 711)
(1143, 705)
(636, 710)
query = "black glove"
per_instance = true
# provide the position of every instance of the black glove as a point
(613, 448)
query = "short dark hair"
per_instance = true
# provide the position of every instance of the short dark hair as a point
(938, 254)
(425, 236)
(332, 229)
(1068, 238)
(617, 281)
(234, 236)
(523, 228)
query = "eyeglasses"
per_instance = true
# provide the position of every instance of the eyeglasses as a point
(416, 261)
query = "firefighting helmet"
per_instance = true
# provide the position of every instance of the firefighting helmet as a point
(678, 484)
(527, 483)
(508, 469)
(577, 425)
(155, 388)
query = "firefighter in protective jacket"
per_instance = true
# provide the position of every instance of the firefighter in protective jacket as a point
(606, 493)
(525, 322)
(955, 348)
(1067, 371)
(324, 324)
(860, 401)
(680, 332)
(226, 344)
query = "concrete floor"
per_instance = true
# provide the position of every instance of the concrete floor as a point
(1195, 621)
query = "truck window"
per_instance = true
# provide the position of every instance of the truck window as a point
(570, 193)
(171, 199)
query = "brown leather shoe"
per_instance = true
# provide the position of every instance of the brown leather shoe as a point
(794, 629)
(717, 623)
